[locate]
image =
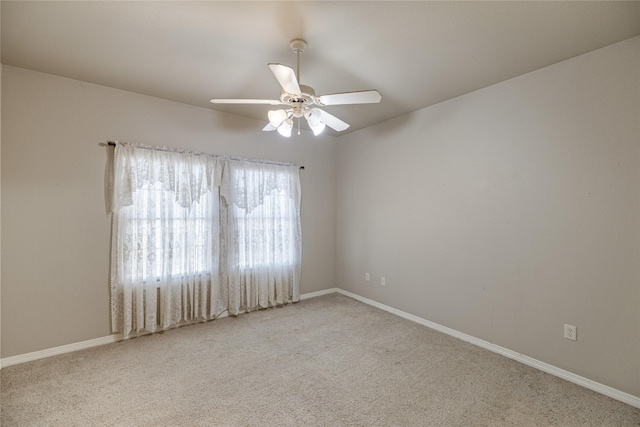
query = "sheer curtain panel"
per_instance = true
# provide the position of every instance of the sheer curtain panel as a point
(197, 235)
(262, 233)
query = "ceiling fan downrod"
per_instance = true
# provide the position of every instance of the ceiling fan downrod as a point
(298, 46)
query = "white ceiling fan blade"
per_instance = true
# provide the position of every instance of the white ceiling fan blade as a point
(332, 121)
(269, 127)
(246, 101)
(286, 77)
(360, 97)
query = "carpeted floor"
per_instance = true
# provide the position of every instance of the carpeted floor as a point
(326, 361)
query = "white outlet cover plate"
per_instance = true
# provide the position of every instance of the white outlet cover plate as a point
(570, 332)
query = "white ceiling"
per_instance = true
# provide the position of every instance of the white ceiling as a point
(415, 53)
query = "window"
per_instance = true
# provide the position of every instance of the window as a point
(196, 235)
(266, 233)
(168, 239)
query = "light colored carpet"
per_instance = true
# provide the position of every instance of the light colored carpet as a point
(327, 361)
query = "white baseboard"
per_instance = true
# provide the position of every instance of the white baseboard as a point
(318, 293)
(41, 354)
(627, 398)
(545, 367)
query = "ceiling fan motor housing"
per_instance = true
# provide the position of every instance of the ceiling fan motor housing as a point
(307, 95)
(299, 102)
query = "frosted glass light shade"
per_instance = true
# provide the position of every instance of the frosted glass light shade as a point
(317, 129)
(285, 128)
(276, 117)
(313, 117)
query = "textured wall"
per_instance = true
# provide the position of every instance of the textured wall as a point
(55, 241)
(508, 212)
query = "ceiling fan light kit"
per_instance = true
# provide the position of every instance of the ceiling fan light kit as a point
(285, 128)
(317, 129)
(276, 117)
(301, 100)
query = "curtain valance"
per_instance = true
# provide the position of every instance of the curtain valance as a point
(189, 175)
(246, 183)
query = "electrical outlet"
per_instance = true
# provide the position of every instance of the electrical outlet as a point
(570, 332)
(366, 277)
(383, 281)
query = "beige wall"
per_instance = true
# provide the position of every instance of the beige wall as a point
(55, 241)
(503, 214)
(508, 212)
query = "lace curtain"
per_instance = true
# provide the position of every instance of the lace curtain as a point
(196, 235)
(262, 234)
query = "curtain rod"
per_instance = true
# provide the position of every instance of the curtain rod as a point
(113, 144)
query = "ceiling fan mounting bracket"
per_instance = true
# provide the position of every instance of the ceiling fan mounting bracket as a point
(298, 45)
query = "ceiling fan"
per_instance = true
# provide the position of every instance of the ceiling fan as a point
(301, 101)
